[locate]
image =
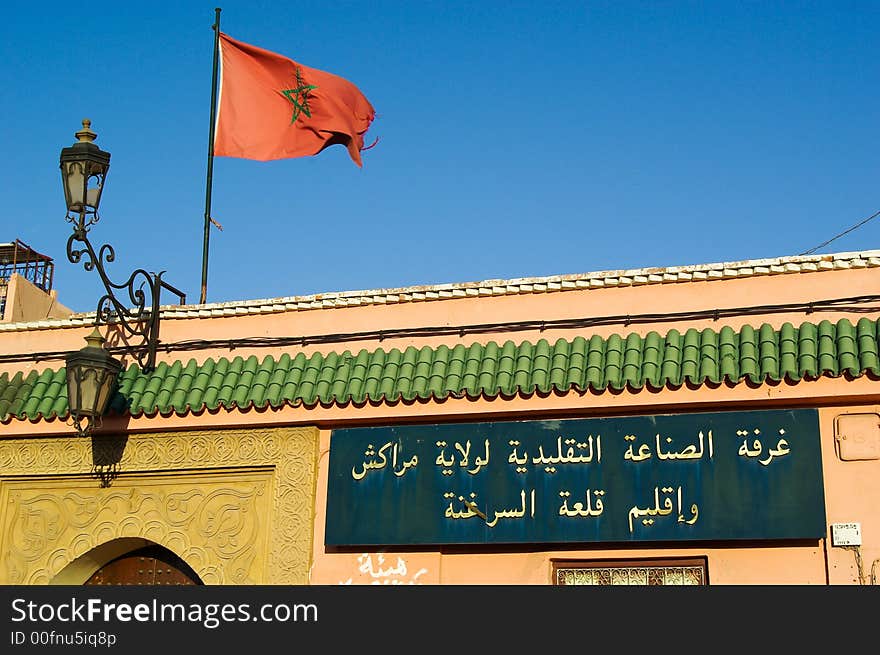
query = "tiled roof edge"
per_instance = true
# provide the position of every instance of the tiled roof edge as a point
(753, 355)
(497, 287)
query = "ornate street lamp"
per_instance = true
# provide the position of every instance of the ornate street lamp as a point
(84, 168)
(91, 372)
(91, 381)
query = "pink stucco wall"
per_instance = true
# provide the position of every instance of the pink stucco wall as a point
(851, 487)
(576, 303)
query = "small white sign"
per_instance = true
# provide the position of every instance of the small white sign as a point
(846, 534)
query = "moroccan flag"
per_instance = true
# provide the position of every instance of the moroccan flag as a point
(271, 107)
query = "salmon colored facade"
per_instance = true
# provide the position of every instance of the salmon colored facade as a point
(233, 476)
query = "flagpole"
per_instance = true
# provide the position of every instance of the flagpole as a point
(210, 177)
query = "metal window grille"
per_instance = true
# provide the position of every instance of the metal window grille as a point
(631, 574)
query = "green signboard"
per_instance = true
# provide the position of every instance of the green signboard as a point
(707, 476)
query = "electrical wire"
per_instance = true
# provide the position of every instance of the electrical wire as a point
(853, 304)
(859, 566)
(837, 236)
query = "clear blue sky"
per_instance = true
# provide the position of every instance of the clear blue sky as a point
(517, 139)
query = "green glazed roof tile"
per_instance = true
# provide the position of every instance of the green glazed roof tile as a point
(522, 367)
(670, 370)
(228, 376)
(846, 347)
(808, 362)
(292, 376)
(631, 368)
(437, 372)
(7, 392)
(867, 344)
(758, 354)
(788, 350)
(261, 383)
(594, 372)
(728, 354)
(275, 381)
(613, 361)
(748, 354)
(577, 363)
(690, 356)
(211, 383)
(708, 357)
(827, 348)
(385, 378)
(170, 382)
(652, 359)
(39, 399)
(370, 370)
(194, 385)
(768, 350)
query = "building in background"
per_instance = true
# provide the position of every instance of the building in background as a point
(702, 424)
(26, 292)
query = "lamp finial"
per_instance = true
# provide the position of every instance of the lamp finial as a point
(85, 135)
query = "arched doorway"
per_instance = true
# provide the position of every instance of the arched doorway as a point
(148, 565)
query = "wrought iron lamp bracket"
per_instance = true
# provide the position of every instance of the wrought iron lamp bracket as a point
(139, 319)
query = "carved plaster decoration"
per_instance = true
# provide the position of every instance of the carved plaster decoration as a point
(237, 505)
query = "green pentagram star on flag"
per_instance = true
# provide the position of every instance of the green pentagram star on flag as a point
(299, 97)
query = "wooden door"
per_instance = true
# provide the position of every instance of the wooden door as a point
(151, 565)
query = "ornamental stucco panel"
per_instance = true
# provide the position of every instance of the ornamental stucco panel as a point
(237, 505)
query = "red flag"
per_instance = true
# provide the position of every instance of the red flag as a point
(271, 107)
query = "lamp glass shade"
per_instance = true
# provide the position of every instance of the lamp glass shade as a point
(82, 192)
(84, 168)
(91, 378)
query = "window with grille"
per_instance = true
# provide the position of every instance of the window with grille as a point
(691, 571)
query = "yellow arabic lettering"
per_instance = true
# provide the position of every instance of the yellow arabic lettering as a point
(579, 508)
(570, 456)
(472, 510)
(660, 453)
(667, 502)
(543, 459)
(514, 457)
(465, 453)
(635, 512)
(359, 476)
(658, 510)
(643, 453)
(406, 465)
(689, 452)
(600, 506)
(695, 512)
(563, 509)
(782, 448)
(472, 506)
(513, 513)
(480, 462)
(441, 458)
(372, 464)
(578, 459)
(754, 451)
